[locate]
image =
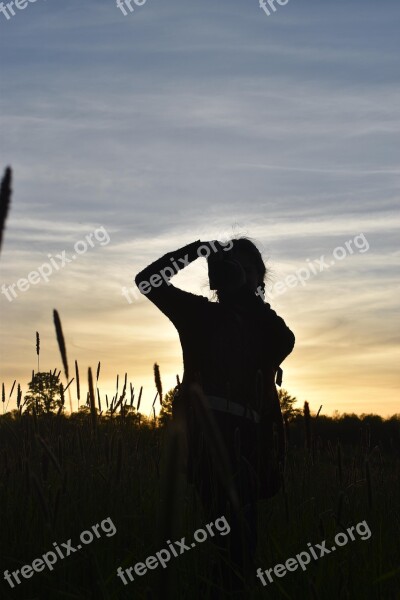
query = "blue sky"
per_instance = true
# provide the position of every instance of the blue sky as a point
(196, 120)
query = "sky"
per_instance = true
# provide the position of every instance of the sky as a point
(191, 120)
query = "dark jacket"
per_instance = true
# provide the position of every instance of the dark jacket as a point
(223, 345)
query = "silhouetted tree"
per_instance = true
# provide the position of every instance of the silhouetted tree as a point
(166, 410)
(44, 393)
(287, 401)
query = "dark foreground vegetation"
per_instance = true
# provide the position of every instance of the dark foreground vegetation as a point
(60, 475)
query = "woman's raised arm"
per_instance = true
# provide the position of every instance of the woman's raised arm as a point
(154, 282)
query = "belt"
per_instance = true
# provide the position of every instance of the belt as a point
(233, 408)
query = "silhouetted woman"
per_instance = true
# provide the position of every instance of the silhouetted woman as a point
(231, 348)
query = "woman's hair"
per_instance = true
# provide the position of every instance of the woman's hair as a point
(246, 246)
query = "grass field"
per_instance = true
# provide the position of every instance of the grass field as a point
(59, 476)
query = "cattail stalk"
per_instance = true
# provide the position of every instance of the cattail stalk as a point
(77, 382)
(157, 379)
(5, 200)
(62, 397)
(67, 386)
(61, 341)
(132, 394)
(121, 398)
(38, 349)
(92, 401)
(10, 394)
(19, 395)
(139, 399)
(61, 345)
(12, 389)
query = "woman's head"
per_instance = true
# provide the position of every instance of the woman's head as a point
(241, 265)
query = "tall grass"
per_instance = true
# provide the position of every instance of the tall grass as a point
(60, 475)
